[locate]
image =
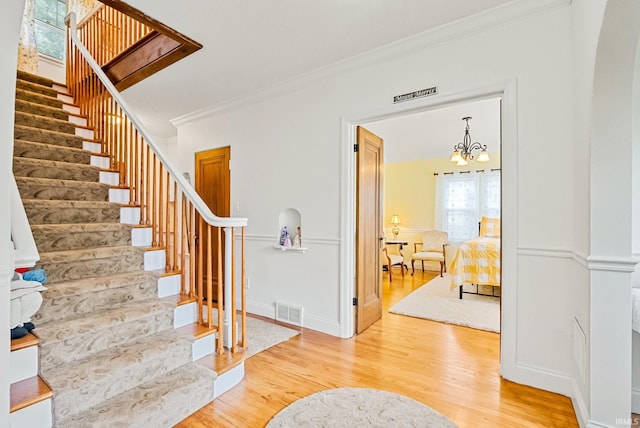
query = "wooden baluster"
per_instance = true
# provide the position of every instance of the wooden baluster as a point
(200, 271)
(174, 232)
(183, 247)
(192, 255)
(209, 279)
(153, 201)
(220, 305)
(147, 179)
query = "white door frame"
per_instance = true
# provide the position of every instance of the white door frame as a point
(505, 89)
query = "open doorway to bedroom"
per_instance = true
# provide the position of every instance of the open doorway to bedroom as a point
(425, 191)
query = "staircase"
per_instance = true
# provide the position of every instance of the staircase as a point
(108, 347)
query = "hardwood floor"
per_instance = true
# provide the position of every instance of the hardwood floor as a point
(452, 369)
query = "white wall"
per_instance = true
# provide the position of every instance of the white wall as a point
(51, 68)
(286, 153)
(11, 19)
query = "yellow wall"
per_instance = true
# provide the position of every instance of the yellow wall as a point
(410, 190)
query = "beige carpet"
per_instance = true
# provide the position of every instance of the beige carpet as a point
(438, 302)
(358, 407)
(262, 335)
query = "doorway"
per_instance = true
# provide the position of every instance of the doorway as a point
(424, 191)
(506, 91)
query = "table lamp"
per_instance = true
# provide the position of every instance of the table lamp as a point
(395, 221)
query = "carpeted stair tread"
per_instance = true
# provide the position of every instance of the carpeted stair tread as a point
(93, 294)
(43, 168)
(37, 135)
(54, 189)
(159, 403)
(68, 212)
(41, 110)
(46, 90)
(62, 237)
(91, 262)
(90, 254)
(35, 150)
(87, 382)
(43, 122)
(35, 97)
(74, 338)
(30, 77)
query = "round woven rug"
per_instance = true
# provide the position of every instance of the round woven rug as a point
(358, 407)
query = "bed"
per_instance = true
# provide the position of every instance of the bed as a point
(477, 261)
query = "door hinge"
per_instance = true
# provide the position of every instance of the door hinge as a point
(355, 147)
(355, 301)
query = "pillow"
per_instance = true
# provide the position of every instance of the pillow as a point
(490, 227)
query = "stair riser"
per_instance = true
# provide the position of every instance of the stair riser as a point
(70, 270)
(58, 308)
(35, 87)
(62, 191)
(28, 119)
(120, 379)
(40, 110)
(97, 339)
(45, 152)
(47, 137)
(39, 214)
(34, 97)
(23, 167)
(78, 240)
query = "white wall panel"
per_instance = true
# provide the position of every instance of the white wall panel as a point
(285, 153)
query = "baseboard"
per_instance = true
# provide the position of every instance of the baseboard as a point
(579, 405)
(539, 377)
(314, 323)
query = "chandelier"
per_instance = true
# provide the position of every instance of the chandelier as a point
(462, 152)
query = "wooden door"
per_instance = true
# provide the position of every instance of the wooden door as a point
(212, 182)
(369, 167)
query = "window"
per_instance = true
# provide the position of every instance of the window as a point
(50, 27)
(462, 199)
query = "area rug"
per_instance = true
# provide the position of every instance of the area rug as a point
(262, 335)
(438, 302)
(358, 407)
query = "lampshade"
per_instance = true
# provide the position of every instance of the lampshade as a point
(455, 156)
(395, 219)
(462, 161)
(483, 156)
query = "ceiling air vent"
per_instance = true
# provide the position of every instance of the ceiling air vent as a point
(289, 313)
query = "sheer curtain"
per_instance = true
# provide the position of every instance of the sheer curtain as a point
(462, 199)
(27, 48)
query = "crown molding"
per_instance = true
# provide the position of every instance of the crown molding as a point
(454, 30)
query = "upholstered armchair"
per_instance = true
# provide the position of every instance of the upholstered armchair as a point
(394, 256)
(431, 249)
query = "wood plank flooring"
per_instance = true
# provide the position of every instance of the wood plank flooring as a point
(452, 369)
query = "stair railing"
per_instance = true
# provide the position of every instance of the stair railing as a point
(181, 221)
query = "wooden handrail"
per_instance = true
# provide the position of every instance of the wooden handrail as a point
(167, 202)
